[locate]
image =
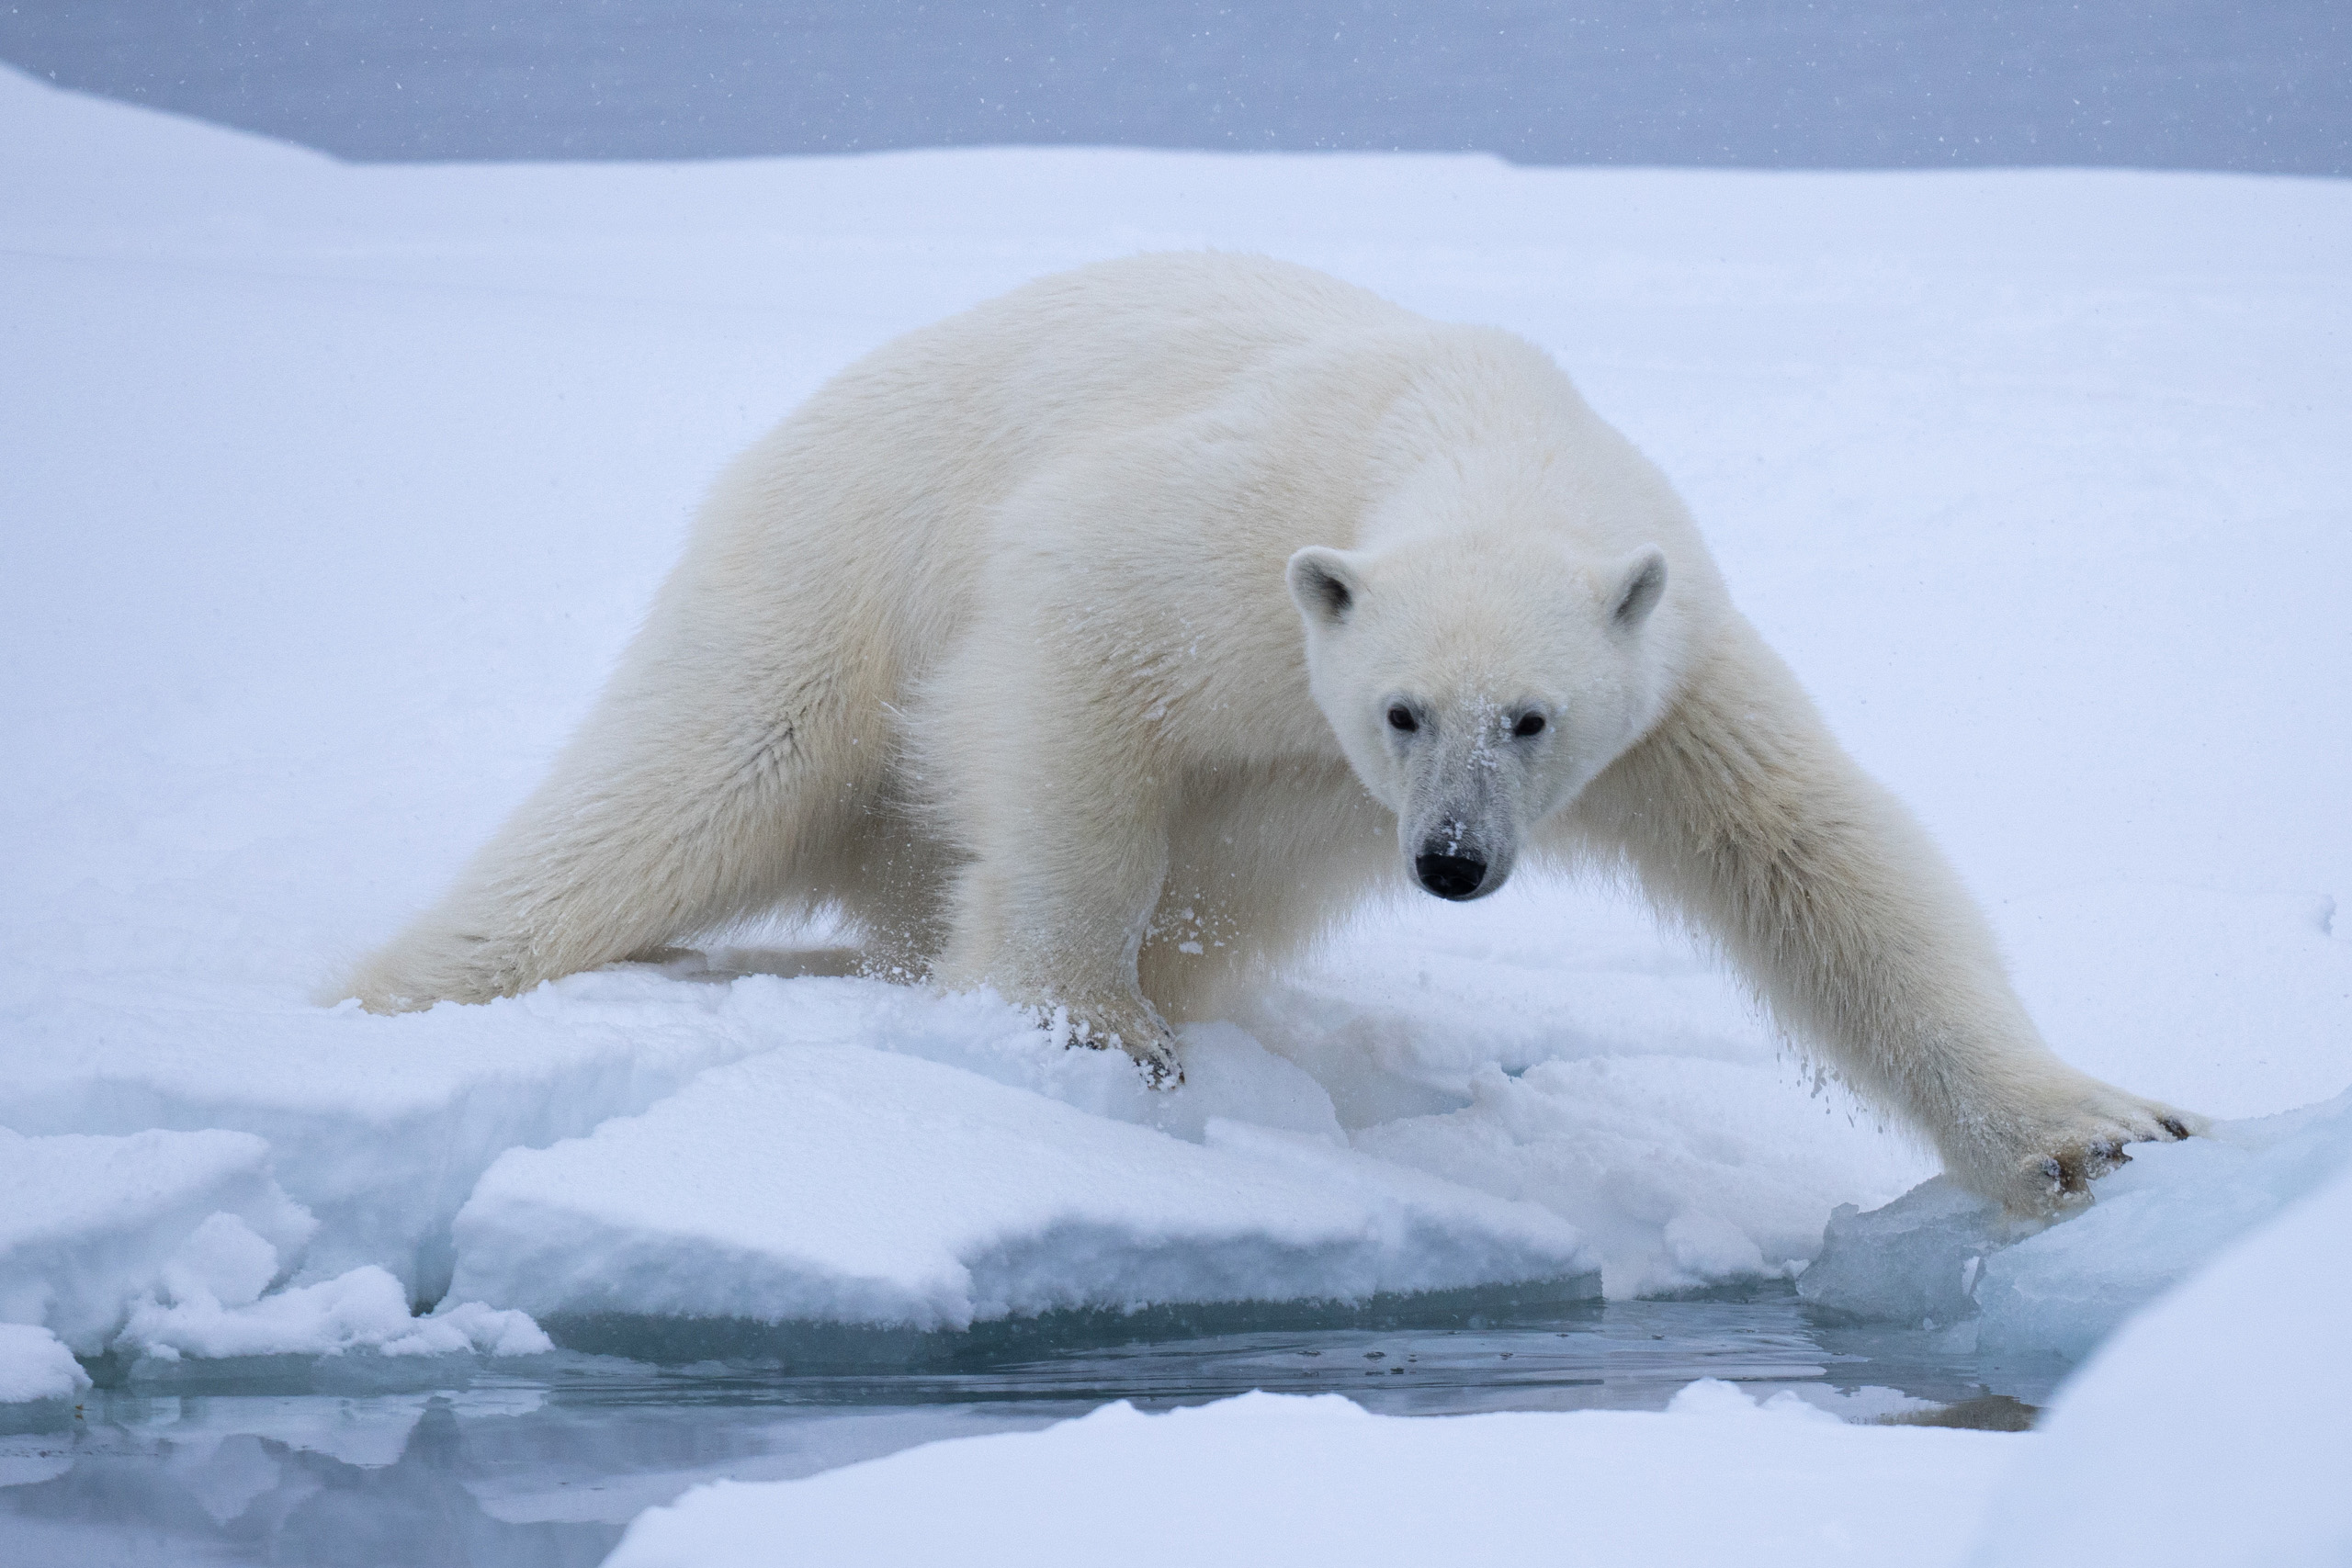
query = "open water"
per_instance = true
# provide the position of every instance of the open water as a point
(542, 1460)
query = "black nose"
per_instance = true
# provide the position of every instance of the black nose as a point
(1450, 876)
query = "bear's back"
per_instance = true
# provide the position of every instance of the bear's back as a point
(1112, 348)
(886, 490)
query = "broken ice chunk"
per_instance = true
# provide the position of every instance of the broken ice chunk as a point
(1914, 1261)
(35, 1364)
(365, 1310)
(90, 1223)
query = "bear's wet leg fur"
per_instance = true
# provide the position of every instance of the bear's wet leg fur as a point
(1741, 813)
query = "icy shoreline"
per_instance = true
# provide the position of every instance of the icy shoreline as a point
(923, 1179)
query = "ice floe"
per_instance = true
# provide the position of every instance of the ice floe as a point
(1270, 1478)
(378, 1135)
(1679, 1172)
(850, 1185)
(363, 1310)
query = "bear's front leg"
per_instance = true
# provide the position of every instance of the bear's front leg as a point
(1069, 852)
(1062, 939)
(1741, 811)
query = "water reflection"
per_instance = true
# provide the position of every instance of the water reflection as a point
(547, 1467)
(504, 1475)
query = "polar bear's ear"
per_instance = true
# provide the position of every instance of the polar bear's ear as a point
(1325, 585)
(1640, 582)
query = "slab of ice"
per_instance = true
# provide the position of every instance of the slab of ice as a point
(1269, 1478)
(1684, 1171)
(2214, 1427)
(1916, 1260)
(1228, 1075)
(91, 1224)
(846, 1185)
(1938, 1254)
(35, 1364)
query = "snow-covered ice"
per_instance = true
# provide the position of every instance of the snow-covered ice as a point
(36, 1364)
(1679, 1172)
(2211, 1429)
(2214, 1427)
(1271, 1478)
(383, 1146)
(163, 1246)
(851, 1185)
(363, 1310)
(92, 1225)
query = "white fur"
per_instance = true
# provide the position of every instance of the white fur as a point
(1054, 645)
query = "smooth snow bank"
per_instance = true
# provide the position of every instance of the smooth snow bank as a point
(1275, 1479)
(35, 1364)
(1938, 1256)
(849, 1185)
(88, 1226)
(2213, 1428)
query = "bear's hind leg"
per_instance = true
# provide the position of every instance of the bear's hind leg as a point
(683, 803)
(889, 878)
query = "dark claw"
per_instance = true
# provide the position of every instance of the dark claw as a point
(2172, 1125)
(2062, 1175)
(2074, 1172)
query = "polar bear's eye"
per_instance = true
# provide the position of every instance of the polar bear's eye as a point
(1529, 724)
(1401, 718)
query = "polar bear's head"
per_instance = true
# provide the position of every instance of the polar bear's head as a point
(1477, 684)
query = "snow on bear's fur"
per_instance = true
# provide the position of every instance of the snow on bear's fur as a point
(1113, 638)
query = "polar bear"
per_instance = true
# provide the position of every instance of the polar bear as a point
(1115, 637)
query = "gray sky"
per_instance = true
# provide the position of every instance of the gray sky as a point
(2161, 84)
